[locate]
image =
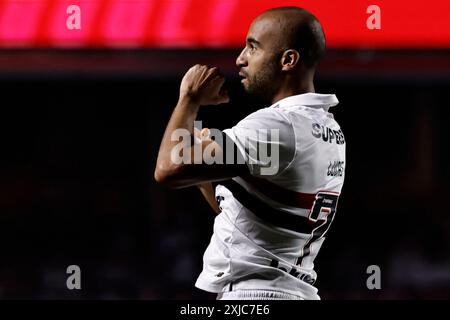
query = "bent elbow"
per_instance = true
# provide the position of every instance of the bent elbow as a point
(166, 176)
(159, 176)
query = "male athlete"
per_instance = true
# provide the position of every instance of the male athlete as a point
(276, 204)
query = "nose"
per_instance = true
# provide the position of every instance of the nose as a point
(241, 61)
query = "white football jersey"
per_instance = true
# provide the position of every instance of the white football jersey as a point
(273, 221)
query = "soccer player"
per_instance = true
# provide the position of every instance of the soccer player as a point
(282, 167)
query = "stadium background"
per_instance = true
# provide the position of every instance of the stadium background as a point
(81, 118)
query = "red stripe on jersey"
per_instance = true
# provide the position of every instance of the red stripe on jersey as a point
(281, 195)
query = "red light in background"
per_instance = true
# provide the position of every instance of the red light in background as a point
(215, 23)
(19, 22)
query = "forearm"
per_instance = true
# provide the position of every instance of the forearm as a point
(178, 164)
(183, 117)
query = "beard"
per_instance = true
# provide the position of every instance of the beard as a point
(263, 85)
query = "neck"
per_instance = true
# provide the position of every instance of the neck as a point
(294, 86)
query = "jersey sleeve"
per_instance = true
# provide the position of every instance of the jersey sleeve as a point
(265, 140)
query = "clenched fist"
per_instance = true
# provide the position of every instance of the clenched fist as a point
(203, 85)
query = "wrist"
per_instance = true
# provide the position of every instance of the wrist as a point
(189, 101)
(186, 111)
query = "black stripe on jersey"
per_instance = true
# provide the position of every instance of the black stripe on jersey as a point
(265, 212)
(317, 233)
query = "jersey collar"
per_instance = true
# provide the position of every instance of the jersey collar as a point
(314, 100)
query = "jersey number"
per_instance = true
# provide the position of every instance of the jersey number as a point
(325, 204)
(323, 210)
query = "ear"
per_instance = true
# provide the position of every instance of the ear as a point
(289, 59)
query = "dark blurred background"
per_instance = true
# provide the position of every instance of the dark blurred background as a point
(80, 131)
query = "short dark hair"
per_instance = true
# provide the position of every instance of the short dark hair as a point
(303, 33)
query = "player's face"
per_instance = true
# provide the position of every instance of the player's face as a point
(258, 63)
